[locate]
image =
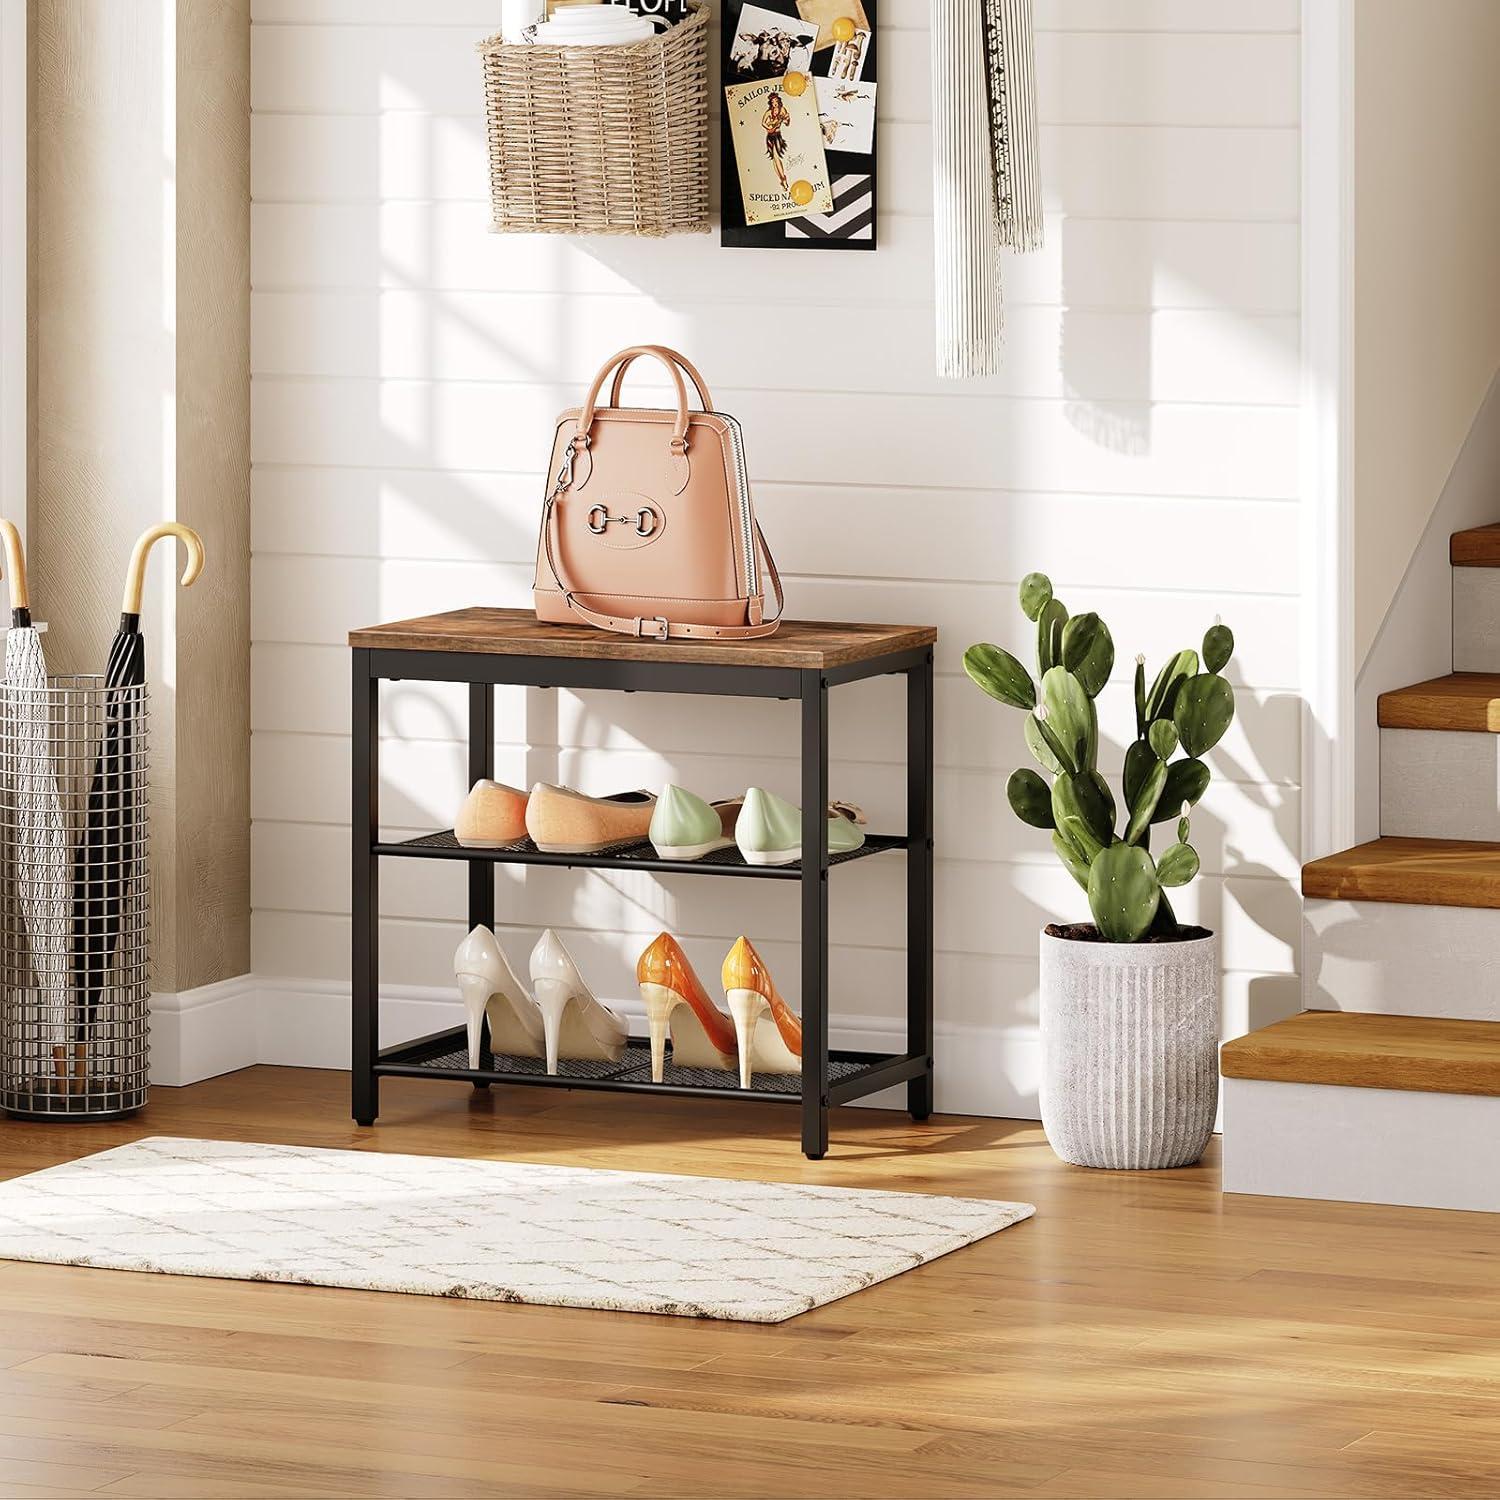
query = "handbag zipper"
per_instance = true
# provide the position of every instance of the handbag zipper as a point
(747, 521)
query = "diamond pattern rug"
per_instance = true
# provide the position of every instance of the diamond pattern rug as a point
(698, 1247)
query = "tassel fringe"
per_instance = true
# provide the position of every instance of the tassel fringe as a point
(1011, 53)
(986, 183)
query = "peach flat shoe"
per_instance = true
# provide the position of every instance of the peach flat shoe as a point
(702, 1035)
(752, 994)
(493, 815)
(562, 821)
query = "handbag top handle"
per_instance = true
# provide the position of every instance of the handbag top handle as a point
(661, 351)
(675, 365)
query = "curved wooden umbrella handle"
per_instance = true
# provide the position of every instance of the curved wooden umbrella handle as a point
(135, 574)
(15, 565)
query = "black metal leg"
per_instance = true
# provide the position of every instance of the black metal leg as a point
(481, 768)
(364, 968)
(919, 905)
(814, 887)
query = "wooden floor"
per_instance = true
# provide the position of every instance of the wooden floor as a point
(1142, 1336)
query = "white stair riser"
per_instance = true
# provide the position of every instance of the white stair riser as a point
(1308, 1140)
(1399, 960)
(1439, 784)
(1476, 619)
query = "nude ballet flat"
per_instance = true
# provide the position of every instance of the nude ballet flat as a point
(492, 816)
(488, 984)
(576, 1026)
(562, 821)
(702, 1035)
(752, 994)
(684, 826)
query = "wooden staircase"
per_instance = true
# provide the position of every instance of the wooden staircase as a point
(1387, 1088)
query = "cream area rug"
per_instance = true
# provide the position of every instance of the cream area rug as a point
(697, 1247)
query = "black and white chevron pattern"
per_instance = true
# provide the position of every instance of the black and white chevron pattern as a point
(851, 218)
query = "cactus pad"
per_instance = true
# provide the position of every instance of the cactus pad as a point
(1143, 806)
(1163, 692)
(1218, 646)
(1069, 715)
(1177, 865)
(1202, 712)
(1088, 651)
(1036, 591)
(1030, 798)
(1049, 632)
(1123, 892)
(1001, 675)
(1187, 780)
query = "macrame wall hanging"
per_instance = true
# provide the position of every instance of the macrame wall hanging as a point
(986, 181)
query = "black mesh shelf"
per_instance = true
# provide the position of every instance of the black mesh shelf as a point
(445, 1054)
(638, 856)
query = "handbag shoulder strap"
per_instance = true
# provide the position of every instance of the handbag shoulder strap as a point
(659, 627)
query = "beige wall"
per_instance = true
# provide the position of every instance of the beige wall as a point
(213, 488)
(1427, 269)
(140, 411)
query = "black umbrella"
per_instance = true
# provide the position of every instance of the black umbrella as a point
(107, 853)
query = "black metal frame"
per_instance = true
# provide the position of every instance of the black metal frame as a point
(861, 1073)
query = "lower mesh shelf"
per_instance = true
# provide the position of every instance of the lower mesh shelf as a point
(448, 1054)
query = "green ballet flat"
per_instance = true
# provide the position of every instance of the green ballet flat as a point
(686, 827)
(769, 830)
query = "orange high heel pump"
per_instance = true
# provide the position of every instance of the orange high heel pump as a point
(703, 1036)
(752, 993)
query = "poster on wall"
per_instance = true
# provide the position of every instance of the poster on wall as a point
(798, 139)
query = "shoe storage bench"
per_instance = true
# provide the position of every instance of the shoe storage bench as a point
(489, 647)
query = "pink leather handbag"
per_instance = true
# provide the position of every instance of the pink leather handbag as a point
(649, 529)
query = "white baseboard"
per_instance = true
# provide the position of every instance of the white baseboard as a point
(1309, 1140)
(197, 1034)
(304, 1023)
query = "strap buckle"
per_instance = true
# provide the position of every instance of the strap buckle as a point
(662, 624)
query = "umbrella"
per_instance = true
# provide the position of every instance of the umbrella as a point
(106, 854)
(41, 836)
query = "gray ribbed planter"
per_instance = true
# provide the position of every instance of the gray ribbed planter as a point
(1130, 1050)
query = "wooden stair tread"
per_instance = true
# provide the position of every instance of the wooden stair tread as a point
(1476, 548)
(1421, 872)
(1459, 701)
(1423, 1054)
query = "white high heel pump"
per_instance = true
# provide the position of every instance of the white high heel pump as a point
(575, 1025)
(489, 984)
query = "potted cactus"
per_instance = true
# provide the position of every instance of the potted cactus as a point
(1129, 1001)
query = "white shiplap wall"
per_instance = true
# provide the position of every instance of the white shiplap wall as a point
(1140, 446)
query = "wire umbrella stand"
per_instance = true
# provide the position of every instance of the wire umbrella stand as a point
(91, 1062)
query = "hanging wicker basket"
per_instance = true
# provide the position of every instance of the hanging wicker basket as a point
(600, 140)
